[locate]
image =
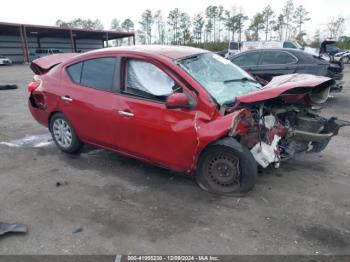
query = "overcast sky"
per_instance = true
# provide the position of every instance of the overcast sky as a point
(46, 12)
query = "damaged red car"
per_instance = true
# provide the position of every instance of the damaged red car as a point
(181, 108)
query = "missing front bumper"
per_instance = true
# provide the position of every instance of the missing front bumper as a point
(332, 127)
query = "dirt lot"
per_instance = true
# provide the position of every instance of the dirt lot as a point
(121, 205)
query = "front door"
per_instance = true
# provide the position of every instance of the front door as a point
(146, 128)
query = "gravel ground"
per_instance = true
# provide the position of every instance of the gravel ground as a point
(105, 203)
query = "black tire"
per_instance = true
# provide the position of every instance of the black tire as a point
(8, 87)
(75, 144)
(227, 168)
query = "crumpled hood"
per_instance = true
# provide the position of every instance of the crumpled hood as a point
(281, 84)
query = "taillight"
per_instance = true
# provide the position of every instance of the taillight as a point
(33, 85)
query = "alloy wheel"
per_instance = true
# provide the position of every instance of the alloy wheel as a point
(62, 133)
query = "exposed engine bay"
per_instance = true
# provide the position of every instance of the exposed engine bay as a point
(274, 130)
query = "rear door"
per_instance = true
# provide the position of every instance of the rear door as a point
(274, 63)
(248, 61)
(87, 99)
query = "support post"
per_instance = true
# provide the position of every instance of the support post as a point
(72, 41)
(24, 43)
(38, 41)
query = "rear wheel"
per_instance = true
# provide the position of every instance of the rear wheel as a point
(64, 135)
(228, 168)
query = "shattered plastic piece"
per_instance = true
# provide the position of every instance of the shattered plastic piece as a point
(12, 228)
(269, 121)
(265, 154)
(30, 141)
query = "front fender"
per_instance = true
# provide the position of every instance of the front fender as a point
(230, 125)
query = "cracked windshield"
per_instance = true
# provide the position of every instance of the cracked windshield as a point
(222, 79)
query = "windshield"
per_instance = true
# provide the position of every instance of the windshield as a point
(221, 78)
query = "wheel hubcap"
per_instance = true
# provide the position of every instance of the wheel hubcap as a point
(223, 170)
(62, 133)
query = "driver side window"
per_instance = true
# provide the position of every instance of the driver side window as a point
(145, 80)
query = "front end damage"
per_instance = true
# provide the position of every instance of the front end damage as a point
(274, 131)
(274, 134)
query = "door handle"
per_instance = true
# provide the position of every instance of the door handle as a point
(66, 98)
(125, 113)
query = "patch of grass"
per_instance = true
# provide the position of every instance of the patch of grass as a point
(211, 46)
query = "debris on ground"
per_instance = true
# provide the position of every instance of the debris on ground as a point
(12, 228)
(64, 183)
(265, 200)
(78, 230)
(237, 202)
(8, 87)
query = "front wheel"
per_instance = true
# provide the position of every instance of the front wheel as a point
(64, 135)
(226, 167)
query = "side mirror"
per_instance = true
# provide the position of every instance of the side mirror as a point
(177, 100)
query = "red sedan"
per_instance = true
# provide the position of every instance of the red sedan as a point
(181, 108)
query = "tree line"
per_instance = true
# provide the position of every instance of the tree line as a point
(213, 25)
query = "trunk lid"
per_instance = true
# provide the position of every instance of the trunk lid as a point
(44, 64)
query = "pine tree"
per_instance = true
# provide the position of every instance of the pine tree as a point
(198, 24)
(288, 11)
(146, 24)
(174, 22)
(267, 15)
(256, 25)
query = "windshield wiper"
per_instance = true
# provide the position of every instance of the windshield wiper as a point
(243, 79)
(188, 59)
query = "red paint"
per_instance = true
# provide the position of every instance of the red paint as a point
(33, 85)
(44, 64)
(172, 138)
(281, 84)
(282, 132)
(177, 100)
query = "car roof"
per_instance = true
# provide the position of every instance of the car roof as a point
(298, 53)
(293, 50)
(302, 56)
(169, 51)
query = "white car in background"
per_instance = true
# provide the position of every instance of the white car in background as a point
(5, 60)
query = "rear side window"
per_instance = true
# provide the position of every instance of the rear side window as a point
(96, 73)
(276, 58)
(247, 59)
(288, 45)
(74, 71)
